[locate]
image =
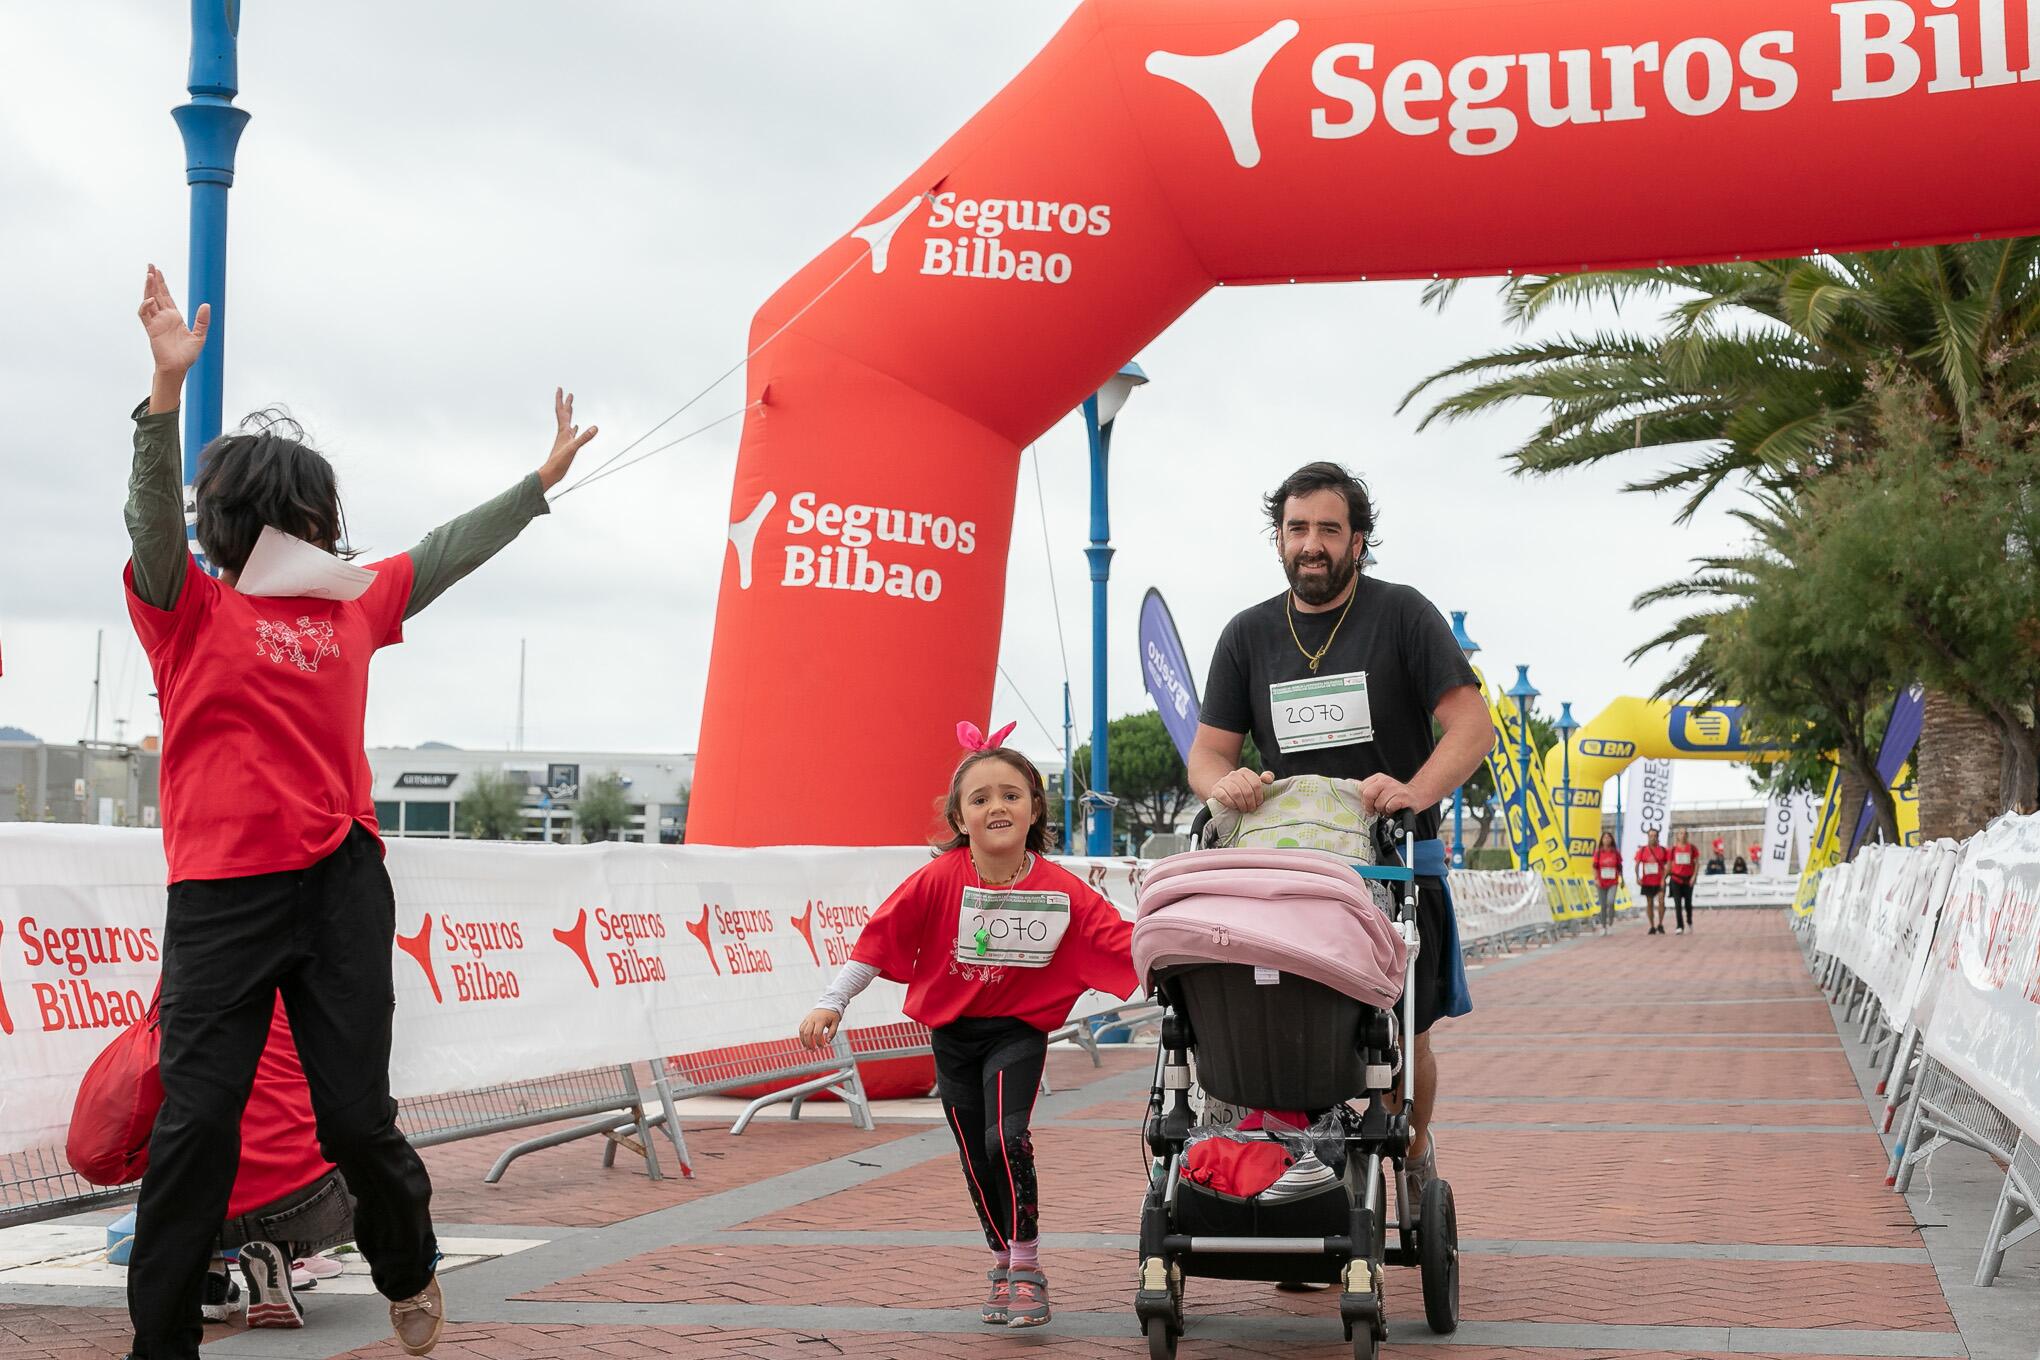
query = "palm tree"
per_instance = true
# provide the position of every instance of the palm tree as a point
(1763, 374)
(1769, 642)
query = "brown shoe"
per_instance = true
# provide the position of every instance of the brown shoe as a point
(417, 1321)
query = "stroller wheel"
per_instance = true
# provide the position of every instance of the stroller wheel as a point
(1438, 1257)
(1162, 1339)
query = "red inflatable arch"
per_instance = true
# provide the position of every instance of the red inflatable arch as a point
(1156, 148)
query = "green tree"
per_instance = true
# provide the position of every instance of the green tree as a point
(1811, 675)
(1146, 776)
(1763, 372)
(1934, 549)
(604, 810)
(492, 809)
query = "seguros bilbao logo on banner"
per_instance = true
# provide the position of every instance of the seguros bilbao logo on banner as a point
(1484, 103)
(1019, 240)
(734, 936)
(635, 957)
(855, 547)
(66, 996)
(836, 926)
(480, 956)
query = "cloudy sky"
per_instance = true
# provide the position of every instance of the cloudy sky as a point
(444, 210)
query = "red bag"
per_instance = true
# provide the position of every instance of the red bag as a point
(117, 1104)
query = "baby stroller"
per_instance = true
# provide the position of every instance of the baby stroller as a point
(1280, 972)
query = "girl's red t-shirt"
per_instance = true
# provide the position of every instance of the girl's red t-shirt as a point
(911, 938)
(1608, 867)
(263, 703)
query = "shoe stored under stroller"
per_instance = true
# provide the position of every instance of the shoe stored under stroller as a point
(1281, 975)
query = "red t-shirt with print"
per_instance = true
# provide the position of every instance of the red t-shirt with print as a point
(911, 938)
(263, 704)
(1608, 867)
(1650, 865)
(1685, 863)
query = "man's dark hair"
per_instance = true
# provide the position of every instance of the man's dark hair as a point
(265, 473)
(1314, 477)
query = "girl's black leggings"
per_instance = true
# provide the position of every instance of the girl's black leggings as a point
(987, 1070)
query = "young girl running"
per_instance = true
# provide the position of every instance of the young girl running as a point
(276, 871)
(994, 943)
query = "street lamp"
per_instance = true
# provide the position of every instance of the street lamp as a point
(1099, 410)
(1567, 725)
(1467, 647)
(211, 128)
(1523, 692)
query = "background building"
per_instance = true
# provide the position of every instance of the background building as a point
(95, 783)
(418, 789)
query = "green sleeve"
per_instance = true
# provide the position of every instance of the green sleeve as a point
(460, 545)
(155, 508)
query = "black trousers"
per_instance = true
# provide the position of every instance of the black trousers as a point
(987, 1070)
(322, 937)
(1682, 903)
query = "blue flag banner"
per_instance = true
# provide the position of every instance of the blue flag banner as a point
(1167, 672)
(1901, 734)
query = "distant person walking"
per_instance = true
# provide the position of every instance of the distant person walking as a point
(1685, 867)
(1607, 877)
(1651, 861)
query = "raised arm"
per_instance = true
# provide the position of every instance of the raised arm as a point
(460, 545)
(155, 501)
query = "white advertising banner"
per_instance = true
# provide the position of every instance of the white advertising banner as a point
(1979, 1007)
(1776, 858)
(512, 961)
(1494, 902)
(1805, 817)
(1646, 806)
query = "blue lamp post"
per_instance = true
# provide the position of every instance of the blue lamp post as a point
(1567, 725)
(1524, 693)
(1100, 408)
(211, 127)
(1467, 647)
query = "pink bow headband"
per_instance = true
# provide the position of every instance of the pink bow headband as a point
(971, 739)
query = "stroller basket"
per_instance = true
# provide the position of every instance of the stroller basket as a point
(1293, 1044)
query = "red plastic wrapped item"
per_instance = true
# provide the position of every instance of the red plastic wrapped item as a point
(1231, 1167)
(116, 1106)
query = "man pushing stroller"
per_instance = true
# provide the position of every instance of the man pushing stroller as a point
(1342, 675)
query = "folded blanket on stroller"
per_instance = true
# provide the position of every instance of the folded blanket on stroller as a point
(1296, 911)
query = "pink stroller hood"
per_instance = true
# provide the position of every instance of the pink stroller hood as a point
(1298, 911)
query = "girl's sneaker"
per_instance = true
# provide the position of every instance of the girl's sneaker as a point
(1029, 1305)
(994, 1313)
(271, 1300)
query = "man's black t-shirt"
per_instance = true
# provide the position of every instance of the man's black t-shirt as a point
(1393, 634)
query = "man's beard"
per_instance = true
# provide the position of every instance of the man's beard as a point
(1317, 590)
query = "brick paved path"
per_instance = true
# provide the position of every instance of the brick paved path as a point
(1657, 1146)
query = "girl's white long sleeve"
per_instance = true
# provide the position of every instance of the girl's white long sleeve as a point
(854, 978)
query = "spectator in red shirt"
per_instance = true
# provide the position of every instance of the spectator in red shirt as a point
(1679, 878)
(1652, 860)
(1607, 877)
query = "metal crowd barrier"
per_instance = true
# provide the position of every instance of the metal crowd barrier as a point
(1933, 1108)
(39, 1184)
(610, 1094)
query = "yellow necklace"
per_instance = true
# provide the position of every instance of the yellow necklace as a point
(1005, 882)
(1319, 655)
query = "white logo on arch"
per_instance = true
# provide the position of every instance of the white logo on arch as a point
(878, 235)
(744, 536)
(1226, 81)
